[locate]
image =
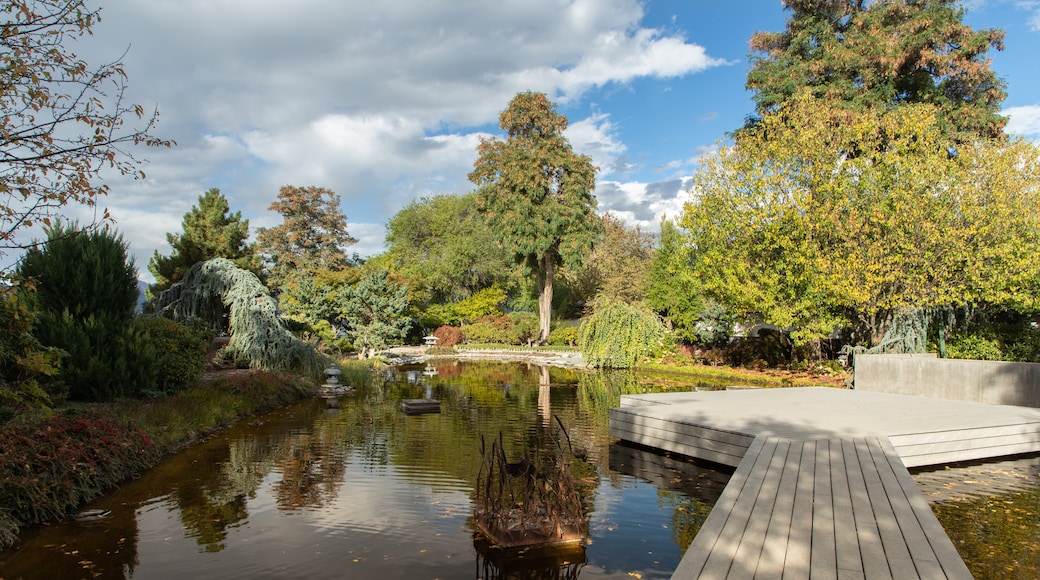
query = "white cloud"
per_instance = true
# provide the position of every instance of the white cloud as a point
(1023, 120)
(381, 102)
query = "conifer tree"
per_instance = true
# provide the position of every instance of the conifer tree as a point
(210, 231)
(537, 194)
(872, 55)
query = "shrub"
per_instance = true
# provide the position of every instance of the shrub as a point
(564, 336)
(52, 467)
(85, 293)
(486, 302)
(180, 351)
(484, 331)
(524, 327)
(448, 336)
(975, 347)
(618, 335)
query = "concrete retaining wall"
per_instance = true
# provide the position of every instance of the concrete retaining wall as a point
(979, 381)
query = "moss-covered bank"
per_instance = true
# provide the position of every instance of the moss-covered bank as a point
(49, 466)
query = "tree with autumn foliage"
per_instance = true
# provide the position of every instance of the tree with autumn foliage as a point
(862, 55)
(312, 236)
(209, 231)
(821, 218)
(536, 193)
(62, 120)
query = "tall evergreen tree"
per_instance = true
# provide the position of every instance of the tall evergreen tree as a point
(874, 54)
(537, 193)
(312, 236)
(209, 232)
(85, 293)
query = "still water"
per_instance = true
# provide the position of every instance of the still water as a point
(365, 491)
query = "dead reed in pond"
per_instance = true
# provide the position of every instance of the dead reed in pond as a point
(531, 500)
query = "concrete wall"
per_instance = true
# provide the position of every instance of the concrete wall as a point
(979, 381)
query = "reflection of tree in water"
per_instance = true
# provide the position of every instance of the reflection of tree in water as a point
(219, 500)
(498, 564)
(312, 472)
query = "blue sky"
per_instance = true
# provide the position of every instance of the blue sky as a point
(384, 102)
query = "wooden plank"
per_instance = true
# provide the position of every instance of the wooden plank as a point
(723, 555)
(799, 540)
(777, 546)
(823, 561)
(897, 552)
(953, 565)
(748, 557)
(860, 467)
(847, 556)
(919, 553)
(692, 563)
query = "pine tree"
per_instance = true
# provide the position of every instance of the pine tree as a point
(85, 293)
(209, 232)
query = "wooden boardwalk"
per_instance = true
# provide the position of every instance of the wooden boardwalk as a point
(840, 508)
(821, 484)
(719, 426)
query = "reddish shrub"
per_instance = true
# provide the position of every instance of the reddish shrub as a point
(448, 336)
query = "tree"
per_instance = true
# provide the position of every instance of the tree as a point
(312, 236)
(217, 286)
(85, 291)
(618, 267)
(209, 232)
(62, 121)
(444, 244)
(618, 334)
(821, 218)
(537, 194)
(672, 289)
(864, 54)
(373, 312)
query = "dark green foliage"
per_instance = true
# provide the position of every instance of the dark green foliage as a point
(673, 291)
(443, 245)
(1000, 335)
(85, 293)
(373, 312)
(180, 351)
(618, 335)
(878, 54)
(23, 360)
(209, 231)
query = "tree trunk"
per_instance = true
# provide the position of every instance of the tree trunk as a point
(545, 296)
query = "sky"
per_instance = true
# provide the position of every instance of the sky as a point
(384, 102)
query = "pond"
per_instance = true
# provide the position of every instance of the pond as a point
(364, 491)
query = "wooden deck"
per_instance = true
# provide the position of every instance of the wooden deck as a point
(719, 426)
(821, 483)
(836, 507)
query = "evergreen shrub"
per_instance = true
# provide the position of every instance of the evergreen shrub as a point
(180, 351)
(85, 292)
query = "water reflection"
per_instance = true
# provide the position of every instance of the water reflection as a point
(364, 491)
